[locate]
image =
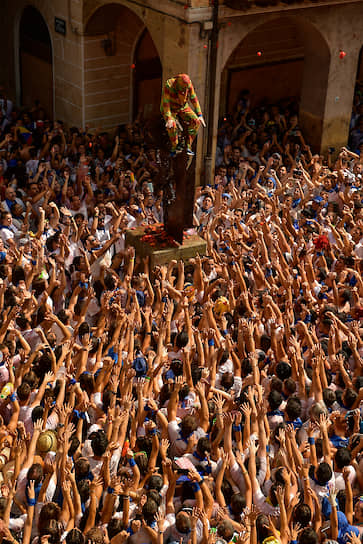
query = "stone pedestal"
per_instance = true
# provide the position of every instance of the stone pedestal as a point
(163, 251)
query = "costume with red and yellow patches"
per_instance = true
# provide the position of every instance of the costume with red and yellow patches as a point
(177, 93)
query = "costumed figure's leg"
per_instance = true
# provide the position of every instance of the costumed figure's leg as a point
(192, 123)
(173, 134)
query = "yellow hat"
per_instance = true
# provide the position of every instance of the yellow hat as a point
(47, 441)
(221, 305)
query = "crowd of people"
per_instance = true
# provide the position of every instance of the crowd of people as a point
(216, 400)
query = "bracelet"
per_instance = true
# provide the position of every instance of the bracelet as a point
(225, 332)
(267, 448)
(110, 490)
(31, 502)
(13, 397)
(132, 462)
(237, 428)
(211, 342)
(73, 381)
(311, 440)
(161, 532)
(152, 432)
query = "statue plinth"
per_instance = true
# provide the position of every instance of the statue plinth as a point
(155, 243)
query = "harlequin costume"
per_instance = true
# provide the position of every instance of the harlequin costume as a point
(177, 93)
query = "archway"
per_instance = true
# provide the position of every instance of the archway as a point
(121, 66)
(284, 59)
(35, 61)
(269, 62)
(147, 77)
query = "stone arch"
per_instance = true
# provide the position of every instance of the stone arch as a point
(111, 34)
(34, 60)
(285, 42)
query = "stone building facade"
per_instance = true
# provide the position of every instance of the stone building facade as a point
(96, 63)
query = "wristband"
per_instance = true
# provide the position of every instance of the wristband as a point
(225, 332)
(110, 490)
(152, 432)
(33, 262)
(211, 342)
(236, 428)
(164, 299)
(267, 448)
(31, 502)
(293, 541)
(195, 487)
(132, 462)
(13, 397)
(311, 440)
(73, 381)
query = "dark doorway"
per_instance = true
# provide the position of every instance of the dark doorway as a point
(35, 57)
(147, 77)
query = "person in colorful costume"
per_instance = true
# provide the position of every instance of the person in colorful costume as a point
(177, 93)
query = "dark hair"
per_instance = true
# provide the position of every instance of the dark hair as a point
(323, 473)
(155, 482)
(290, 386)
(181, 340)
(188, 425)
(283, 370)
(23, 391)
(17, 274)
(329, 397)
(142, 462)
(87, 382)
(99, 443)
(149, 510)
(75, 536)
(308, 536)
(262, 523)
(246, 367)
(49, 511)
(276, 384)
(37, 413)
(274, 399)
(35, 473)
(81, 467)
(350, 397)
(238, 503)
(342, 457)
(114, 527)
(302, 514)
(203, 445)
(293, 408)
(83, 490)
